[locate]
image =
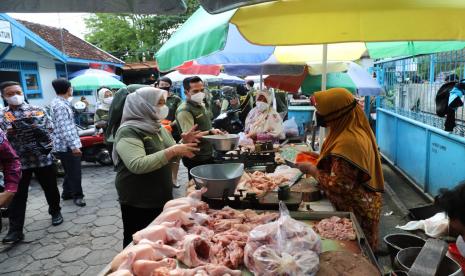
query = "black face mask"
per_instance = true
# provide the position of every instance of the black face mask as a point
(165, 88)
(320, 120)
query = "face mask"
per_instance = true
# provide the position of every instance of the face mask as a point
(460, 245)
(165, 88)
(262, 106)
(162, 112)
(198, 98)
(15, 100)
(70, 99)
(108, 100)
(320, 120)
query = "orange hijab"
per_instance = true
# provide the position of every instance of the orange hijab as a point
(350, 136)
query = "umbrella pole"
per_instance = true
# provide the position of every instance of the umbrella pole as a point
(322, 132)
(261, 81)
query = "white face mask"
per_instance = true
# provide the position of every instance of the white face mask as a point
(108, 100)
(198, 98)
(162, 112)
(460, 245)
(15, 100)
(262, 106)
(70, 99)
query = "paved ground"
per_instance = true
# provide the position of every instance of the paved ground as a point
(87, 240)
(91, 236)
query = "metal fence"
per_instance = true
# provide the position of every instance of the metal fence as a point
(411, 85)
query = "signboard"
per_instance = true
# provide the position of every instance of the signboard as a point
(5, 32)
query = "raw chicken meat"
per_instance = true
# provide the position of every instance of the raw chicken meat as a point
(162, 250)
(193, 200)
(336, 228)
(173, 215)
(201, 231)
(206, 270)
(283, 247)
(196, 251)
(139, 251)
(146, 268)
(166, 232)
(125, 268)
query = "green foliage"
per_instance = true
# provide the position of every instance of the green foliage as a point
(131, 37)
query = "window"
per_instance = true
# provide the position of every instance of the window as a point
(31, 81)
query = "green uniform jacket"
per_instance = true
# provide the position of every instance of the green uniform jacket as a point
(144, 175)
(189, 114)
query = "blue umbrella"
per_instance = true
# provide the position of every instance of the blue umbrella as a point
(93, 72)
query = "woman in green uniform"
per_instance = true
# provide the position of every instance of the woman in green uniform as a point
(143, 154)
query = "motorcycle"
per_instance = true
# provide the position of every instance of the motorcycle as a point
(229, 122)
(94, 148)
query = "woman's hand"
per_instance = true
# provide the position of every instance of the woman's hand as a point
(307, 168)
(251, 135)
(182, 150)
(6, 198)
(193, 135)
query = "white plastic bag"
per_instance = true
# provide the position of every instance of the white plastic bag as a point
(244, 140)
(283, 247)
(435, 226)
(290, 128)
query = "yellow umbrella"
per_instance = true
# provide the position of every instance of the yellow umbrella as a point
(297, 22)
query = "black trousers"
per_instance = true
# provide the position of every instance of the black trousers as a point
(72, 185)
(190, 163)
(135, 219)
(48, 180)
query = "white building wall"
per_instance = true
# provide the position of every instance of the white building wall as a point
(47, 72)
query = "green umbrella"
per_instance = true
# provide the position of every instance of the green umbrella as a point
(91, 82)
(312, 84)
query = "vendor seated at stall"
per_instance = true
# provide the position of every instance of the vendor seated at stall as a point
(453, 203)
(263, 120)
(230, 99)
(193, 112)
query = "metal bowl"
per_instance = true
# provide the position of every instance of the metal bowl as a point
(220, 179)
(223, 142)
(398, 241)
(406, 257)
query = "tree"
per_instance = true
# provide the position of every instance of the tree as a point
(133, 37)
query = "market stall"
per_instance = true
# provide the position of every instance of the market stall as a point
(229, 223)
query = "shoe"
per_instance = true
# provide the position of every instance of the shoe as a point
(66, 196)
(80, 202)
(13, 237)
(57, 219)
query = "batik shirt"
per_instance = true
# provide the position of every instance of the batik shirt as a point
(9, 117)
(9, 162)
(65, 134)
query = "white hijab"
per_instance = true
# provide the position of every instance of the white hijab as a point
(101, 96)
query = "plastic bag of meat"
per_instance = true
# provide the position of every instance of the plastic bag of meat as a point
(283, 247)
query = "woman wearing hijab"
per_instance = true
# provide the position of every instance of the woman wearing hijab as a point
(349, 166)
(105, 97)
(143, 154)
(263, 120)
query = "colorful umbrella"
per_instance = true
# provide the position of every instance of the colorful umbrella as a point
(91, 82)
(177, 78)
(214, 39)
(355, 79)
(193, 68)
(93, 72)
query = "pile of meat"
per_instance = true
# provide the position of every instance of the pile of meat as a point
(336, 228)
(283, 247)
(260, 182)
(207, 242)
